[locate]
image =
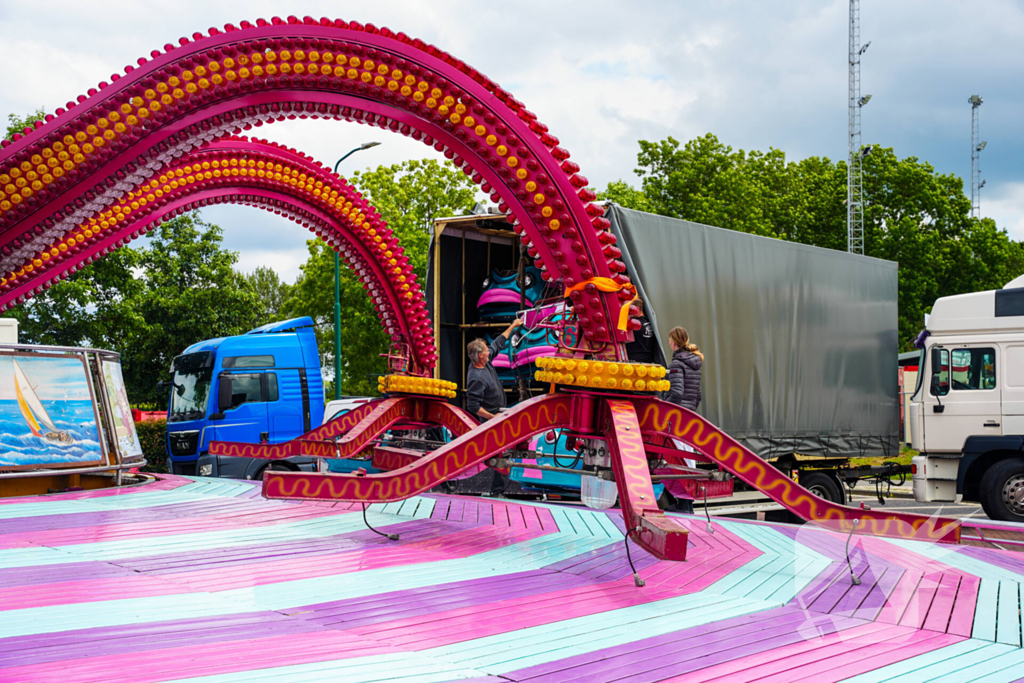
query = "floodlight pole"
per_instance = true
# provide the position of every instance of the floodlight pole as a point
(976, 147)
(337, 288)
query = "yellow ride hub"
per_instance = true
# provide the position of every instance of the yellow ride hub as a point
(602, 374)
(422, 386)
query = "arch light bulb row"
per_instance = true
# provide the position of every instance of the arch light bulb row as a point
(65, 170)
(241, 164)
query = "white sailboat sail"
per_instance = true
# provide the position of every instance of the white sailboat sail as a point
(28, 400)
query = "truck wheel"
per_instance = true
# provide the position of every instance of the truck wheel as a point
(823, 486)
(1002, 491)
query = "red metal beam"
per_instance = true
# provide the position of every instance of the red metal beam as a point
(664, 538)
(667, 419)
(495, 436)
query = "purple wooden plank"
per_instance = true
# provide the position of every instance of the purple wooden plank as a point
(691, 649)
(59, 573)
(1009, 560)
(856, 595)
(880, 592)
(66, 645)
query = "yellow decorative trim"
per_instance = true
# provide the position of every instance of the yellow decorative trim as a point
(422, 386)
(602, 374)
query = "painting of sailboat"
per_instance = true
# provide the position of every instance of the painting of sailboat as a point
(48, 415)
(38, 420)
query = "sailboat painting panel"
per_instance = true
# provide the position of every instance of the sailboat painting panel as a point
(47, 413)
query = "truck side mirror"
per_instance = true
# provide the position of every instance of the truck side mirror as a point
(936, 362)
(224, 393)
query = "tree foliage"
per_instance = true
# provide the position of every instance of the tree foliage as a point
(18, 124)
(148, 304)
(913, 215)
(271, 293)
(409, 196)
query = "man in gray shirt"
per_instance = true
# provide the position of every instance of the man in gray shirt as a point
(485, 396)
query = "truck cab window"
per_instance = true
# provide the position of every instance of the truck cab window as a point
(973, 369)
(271, 392)
(248, 362)
(245, 389)
(940, 372)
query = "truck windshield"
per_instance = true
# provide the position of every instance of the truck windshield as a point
(191, 388)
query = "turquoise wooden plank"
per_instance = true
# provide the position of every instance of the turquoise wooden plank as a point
(906, 669)
(785, 585)
(1004, 667)
(725, 584)
(125, 501)
(948, 555)
(985, 610)
(52, 619)
(963, 667)
(1008, 616)
(539, 645)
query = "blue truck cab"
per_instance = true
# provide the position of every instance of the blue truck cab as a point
(261, 386)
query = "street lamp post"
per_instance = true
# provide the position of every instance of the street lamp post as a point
(337, 288)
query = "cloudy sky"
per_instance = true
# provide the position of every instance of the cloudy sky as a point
(604, 74)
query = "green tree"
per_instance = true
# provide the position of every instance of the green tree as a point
(409, 196)
(18, 124)
(913, 215)
(95, 306)
(271, 292)
(190, 292)
(624, 194)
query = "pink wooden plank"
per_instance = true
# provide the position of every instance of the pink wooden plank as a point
(502, 616)
(95, 590)
(942, 606)
(854, 659)
(921, 601)
(962, 620)
(900, 597)
(755, 667)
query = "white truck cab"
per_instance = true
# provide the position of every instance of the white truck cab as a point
(967, 412)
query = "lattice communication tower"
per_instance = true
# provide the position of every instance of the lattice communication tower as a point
(855, 155)
(976, 146)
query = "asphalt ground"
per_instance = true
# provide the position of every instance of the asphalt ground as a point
(908, 504)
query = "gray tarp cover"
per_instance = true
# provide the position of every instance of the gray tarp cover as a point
(800, 345)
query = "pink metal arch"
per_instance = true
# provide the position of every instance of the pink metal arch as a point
(119, 135)
(257, 173)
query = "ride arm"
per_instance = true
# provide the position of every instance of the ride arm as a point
(510, 428)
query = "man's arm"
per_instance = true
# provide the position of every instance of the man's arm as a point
(499, 342)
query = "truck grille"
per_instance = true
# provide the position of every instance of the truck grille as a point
(184, 443)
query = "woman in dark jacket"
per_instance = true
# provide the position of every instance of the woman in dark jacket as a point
(684, 377)
(684, 370)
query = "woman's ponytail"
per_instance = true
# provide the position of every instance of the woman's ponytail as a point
(682, 341)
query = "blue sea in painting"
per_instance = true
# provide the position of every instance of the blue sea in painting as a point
(18, 446)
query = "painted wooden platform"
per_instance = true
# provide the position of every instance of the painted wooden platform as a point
(203, 580)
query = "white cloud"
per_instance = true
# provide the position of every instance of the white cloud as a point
(1005, 204)
(605, 73)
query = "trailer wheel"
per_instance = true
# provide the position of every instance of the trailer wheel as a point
(823, 486)
(1002, 490)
